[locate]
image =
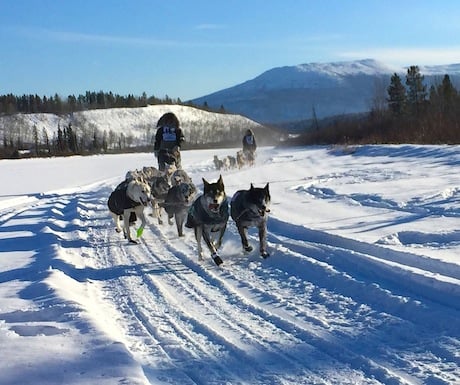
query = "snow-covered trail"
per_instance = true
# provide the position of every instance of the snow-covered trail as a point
(306, 315)
(323, 309)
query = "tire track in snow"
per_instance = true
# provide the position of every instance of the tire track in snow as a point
(236, 338)
(201, 358)
(137, 304)
(173, 267)
(304, 332)
(439, 269)
(429, 321)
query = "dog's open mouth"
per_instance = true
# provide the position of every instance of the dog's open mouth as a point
(263, 211)
(214, 207)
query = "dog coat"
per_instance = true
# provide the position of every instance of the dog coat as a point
(119, 200)
(197, 215)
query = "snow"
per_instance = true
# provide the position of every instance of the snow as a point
(356, 67)
(136, 123)
(362, 285)
(317, 75)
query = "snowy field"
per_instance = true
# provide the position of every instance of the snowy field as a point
(362, 285)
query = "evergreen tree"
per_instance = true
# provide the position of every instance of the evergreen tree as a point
(46, 140)
(416, 92)
(397, 97)
(71, 138)
(104, 141)
(60, 140)
(71, 103)
(95, 143)
(448, 94)
(36, 141)
(58, 106)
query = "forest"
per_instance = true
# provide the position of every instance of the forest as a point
(405, 111)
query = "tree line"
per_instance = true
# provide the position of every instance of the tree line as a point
(66, 140)
(403, 111)
(33, 103)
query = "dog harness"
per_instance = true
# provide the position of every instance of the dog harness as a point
(240, 212)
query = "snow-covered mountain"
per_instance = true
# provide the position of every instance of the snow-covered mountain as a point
(137, 124)
(292, 93)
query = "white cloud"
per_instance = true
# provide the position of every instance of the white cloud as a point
(77, 37)
(408, 56)
(209, 26)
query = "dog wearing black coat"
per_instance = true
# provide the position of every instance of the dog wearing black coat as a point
(127, 203)
(250, 208)
(208, 217)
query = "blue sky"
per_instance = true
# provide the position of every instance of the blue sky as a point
(186, 49)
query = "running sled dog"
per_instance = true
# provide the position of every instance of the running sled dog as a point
(126, 203)
(250, 208)
(208, 217)
(179, 199)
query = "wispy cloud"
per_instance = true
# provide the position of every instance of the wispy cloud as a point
(78, 37)
(209, 26)
(408, 56)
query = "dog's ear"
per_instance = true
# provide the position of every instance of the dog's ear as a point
(267, 192)
(205, 185)
(220, 181)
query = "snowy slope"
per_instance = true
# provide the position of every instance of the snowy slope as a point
(138, 123)
(361, 287)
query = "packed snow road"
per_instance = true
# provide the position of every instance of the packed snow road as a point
(306, 315)
(329, 306)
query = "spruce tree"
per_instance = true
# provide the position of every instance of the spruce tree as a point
(397, 97)
(416, 90)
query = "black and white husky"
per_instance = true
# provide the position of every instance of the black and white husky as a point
(249, 208)
(127, 203)
(208, 217)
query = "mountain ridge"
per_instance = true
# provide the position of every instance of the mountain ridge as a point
(292, 93)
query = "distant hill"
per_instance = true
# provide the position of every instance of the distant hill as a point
(138, 125)
(294, 93)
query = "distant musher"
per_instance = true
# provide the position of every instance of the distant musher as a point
(168, 139)
(249, 146)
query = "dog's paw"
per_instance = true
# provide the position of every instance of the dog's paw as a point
(217, 260)
(118, 230)
(247, 249)
(264, 254)
(133, 242)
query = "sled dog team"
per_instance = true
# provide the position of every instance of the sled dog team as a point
(240, 160)
(207, 214)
